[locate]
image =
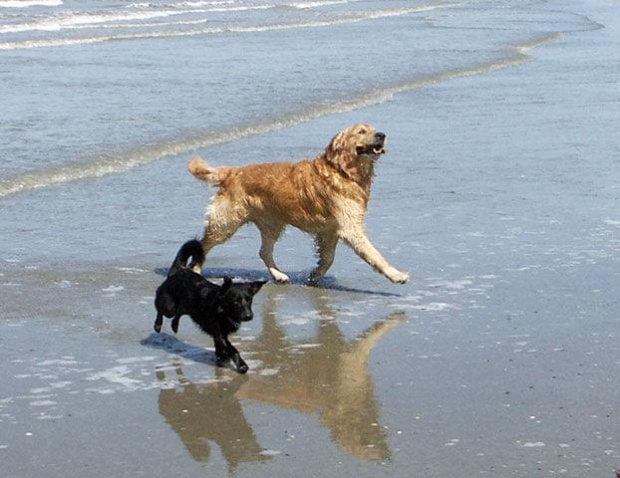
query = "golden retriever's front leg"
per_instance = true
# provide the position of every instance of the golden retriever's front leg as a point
(356, 238)
(326, 250)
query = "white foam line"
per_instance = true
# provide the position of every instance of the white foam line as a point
(46, 43)
(84, 21)
(87, 21)
(33, 3)
(201, 3)
(99, 168)
(109, 26)
(303, 6)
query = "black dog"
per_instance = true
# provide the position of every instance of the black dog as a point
(217, 310)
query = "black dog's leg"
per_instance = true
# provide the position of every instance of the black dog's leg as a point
(158, 322)
(175, 323)
(242, 367)
(221, 352)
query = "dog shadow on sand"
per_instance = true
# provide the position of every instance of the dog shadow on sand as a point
(298, 278)
(171, 344)
(326, 375)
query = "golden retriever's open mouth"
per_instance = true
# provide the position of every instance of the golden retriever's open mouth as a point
(375, 148)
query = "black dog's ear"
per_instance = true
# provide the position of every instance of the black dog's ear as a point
(226, 285)
(255, 286)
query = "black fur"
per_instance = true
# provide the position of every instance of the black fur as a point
(217, 310)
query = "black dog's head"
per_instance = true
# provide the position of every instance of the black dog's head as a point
(236, 299)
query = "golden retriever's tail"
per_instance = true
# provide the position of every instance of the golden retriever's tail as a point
(201, 170)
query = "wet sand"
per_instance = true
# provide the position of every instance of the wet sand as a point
(499, 358)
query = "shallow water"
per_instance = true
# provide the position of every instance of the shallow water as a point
(499, 195)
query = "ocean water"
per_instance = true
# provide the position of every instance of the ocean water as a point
(498, 194)
(94, 88)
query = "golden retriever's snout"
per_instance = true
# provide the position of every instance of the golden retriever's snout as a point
(379, 143)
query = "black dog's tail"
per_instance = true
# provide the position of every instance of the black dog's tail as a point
(191, 249)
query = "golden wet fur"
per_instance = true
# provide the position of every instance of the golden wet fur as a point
(327, 197)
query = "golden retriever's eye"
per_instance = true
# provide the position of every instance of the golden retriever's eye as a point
(362, 131)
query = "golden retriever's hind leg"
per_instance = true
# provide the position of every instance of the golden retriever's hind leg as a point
(212, 237)
(269, 234)
(222, 224)
(357, 240)
(326, 250)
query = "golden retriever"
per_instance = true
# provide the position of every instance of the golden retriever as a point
(326, 197)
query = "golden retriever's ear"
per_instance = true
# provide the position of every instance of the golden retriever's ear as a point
(338, 152)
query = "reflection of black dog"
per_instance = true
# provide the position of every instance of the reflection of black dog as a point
(217, 310)
(207, 416)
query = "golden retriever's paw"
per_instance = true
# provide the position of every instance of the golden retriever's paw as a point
(399, 277)
(315, 278)
(313, 281)
(279, 276)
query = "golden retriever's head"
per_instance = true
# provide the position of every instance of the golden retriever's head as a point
(355, 148)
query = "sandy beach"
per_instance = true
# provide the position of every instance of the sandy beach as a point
(500, 357)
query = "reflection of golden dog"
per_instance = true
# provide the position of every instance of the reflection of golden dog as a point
(331, 379)
(326, 197)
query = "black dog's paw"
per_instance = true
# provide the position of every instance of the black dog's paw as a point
(157, 328)
(221, 360)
